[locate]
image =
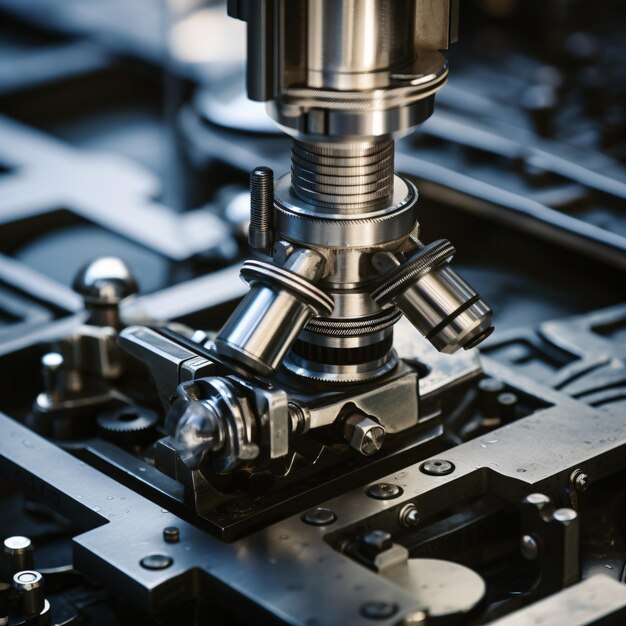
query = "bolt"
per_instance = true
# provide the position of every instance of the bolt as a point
(52, 371)
(319, 516)
(437, 467)
(565, 516)
(18, 554)
(540, 500)
(409, 516)
(261, 231)
(299, 416)
(378, 609)
(384, 491)
(364, 434)
(579, 480)
(529, 547)
(156, 561)
(104, 283)
(29, 588)
(507, 407)
(171, 534)
(490, 388)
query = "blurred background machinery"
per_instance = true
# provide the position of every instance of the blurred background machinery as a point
(126, 133)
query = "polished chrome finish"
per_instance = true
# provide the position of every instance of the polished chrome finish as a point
(354, 327)
(221, 423)
(349, 69)
(104, 283)
(345, 349)
(17, 555)
(308, 224)
(29, 588)
(343, 175)
(319, 115)
(353, 44)
(53, 375)
(437, 301)
(268, 320)
(198, 431)
(333, 373)
(261, 231)
(363, 434)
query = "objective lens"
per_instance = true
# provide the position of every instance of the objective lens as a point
(435, 299)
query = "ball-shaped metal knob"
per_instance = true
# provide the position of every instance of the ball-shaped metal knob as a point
(105, 280)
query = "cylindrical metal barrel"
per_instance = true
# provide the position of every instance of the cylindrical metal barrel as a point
(30, 592)
(269, 319)
(435, 299)
(17, 555)
(352, 44)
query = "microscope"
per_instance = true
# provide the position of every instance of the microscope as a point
(303, 378)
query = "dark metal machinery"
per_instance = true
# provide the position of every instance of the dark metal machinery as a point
(321, 443)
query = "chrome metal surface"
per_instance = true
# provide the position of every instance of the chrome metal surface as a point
(269, 319)
(343, 175)
(437, 301)
(261, 232)
(373, 478)
(307, 224)
(359, 68)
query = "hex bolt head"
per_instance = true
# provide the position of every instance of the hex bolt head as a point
(364, 434)
(384, 491)
(529, 547)
(437, 467)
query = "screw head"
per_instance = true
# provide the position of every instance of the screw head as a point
(171, 534)
(156, 561)
(384, 491)
(529, 547)
(565, 516)
(579, 480)
(540, 500)
(378, 609)
(364, 434)
(409, 516)
(437, 467)
(319, 516)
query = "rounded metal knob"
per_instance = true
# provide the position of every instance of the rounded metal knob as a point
(105, 280)
(104, 283)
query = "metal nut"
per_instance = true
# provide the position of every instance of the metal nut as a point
(364, 434)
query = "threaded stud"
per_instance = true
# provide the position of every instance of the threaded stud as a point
(261, 232)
